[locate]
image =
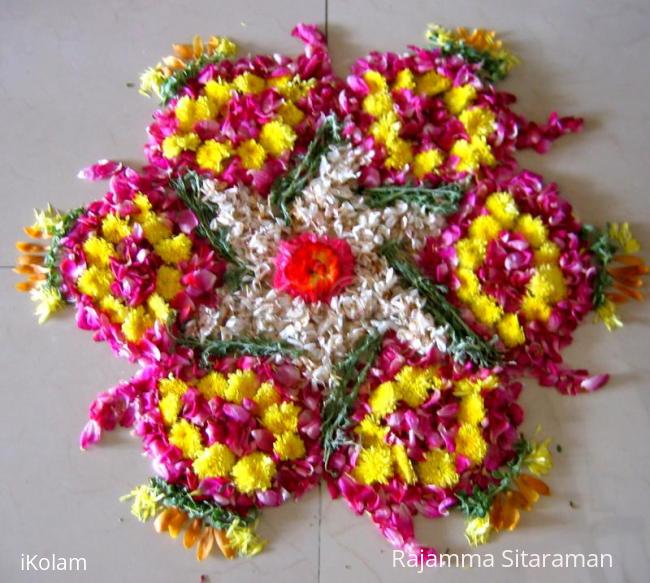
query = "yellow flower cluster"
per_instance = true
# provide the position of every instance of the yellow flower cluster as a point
(377, 461)
(276, 137)
(478, 122)
(545, 288)
(95, 281)
(250, 472)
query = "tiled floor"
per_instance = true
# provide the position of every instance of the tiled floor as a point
(64, 71)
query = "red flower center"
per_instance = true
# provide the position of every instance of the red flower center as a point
(313, 268)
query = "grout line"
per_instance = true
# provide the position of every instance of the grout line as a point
(7, 266)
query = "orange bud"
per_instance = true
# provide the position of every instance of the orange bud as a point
(176, 524)
(25, 286)
(34, 232)
(183, 51)
(197, 46)
(617, 298)
(224, 543)
(30, 260)
(629, 260)
(206, 540)
(192, 533)
(25, 247)
(534, 483)
(28, 269)
(629, 292)
(161, 524)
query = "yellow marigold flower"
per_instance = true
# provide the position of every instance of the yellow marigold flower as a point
(470, 443)
(291, 88)
(477, 530)
(291, 114)
(535, 308)
(510, 331)
(375, 81)
(472, 409)
(155, 228)
(150, 81)
(469, 282)
(174, 250)
(277, 137)
(548, 283)
(48, 301)
(214, 384)
(473, 153)
(252, 155)
(170, 406)
(485, 228)
(400, 153)
(244, 540)
(98, 251)
(467, 386)
(218, 92)
(173, 145)
(503, 208)
(370, 432)
(438, 469)
(168, 282)
(226, 47)
(115, 228)
(159, 307)
(115, 309)
(404, 80)
(385, 128)
(172, 385)
(186, 437)
(253, 472)
(431, 83)
(403, 464)
(145, 502)
(478, 121)
(378, 104)
(427, 161)
(607, 314)
(281, 418)
(215, 461)
(289, 446)
(471, 252)
(383, 399)
(458, 98)
(95, 282)
(249, 83)
(622, 234)
(374, 465)
(143, 204)
(548, 252)
(212, 154)
(136, 323)
(190, 111)
(486, 309)
(242, 384)
(414, 384)
(539, 461)
(266, 396)
(533, 229)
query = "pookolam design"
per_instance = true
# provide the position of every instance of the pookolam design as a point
(337, 279)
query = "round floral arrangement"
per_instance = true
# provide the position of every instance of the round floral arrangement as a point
(337, 278)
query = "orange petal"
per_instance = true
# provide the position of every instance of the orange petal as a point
(509, 514)
(37, 277)
(183, 51)
(629, 292)
(173, 63)
(496, 513)
(25, 247)
(629, 271)
(224, 543)
(534, 483)
(161, 524)
(629, 260)
(25, 286)
(206, 540)
(616, 297)
(28, 269)
(192, 533)
(176, 524)
(30, 260)
(197, 46)
(34, 233)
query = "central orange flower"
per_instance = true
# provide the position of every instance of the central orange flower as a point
(313, 268)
